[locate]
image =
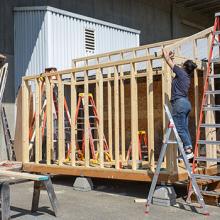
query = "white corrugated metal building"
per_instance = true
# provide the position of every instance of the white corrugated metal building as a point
(46, 37)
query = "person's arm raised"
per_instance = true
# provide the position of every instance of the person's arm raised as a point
(167, 57)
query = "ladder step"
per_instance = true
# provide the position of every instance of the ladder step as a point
(216, 43)
(214, 76)
(215, 60)
(208, 142)
(217, 32)
(215, 92)
(210, 125)
(211, 108)
(89, 117)
(206, 177)
(210, 193)
(207, 159)
(171, 142)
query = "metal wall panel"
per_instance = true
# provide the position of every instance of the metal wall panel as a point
(46, 37)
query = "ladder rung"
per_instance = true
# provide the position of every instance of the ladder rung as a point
(211, 193)
(206, 177)
(217, 32)
(171, 142)
(207, 159)
(215, 60)
(211, 108)
(214, 76)
(208, 142)
(89, 117)
(215, 92)
(210, 125)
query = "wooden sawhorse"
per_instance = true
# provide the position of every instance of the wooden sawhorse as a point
(40, 182)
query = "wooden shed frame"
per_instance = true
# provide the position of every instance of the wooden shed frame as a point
(111, 69)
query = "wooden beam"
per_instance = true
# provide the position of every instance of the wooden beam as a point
(171, 153)
(116, 115)
(61, 141)
(37, 121)
(101, 117)
(198, 35)
(110, 116)
(25, 121)
(134, 117)
(129, 50)
(150, 117)
(86, 119)
(73, 124)
(49, 120)
(122, 107)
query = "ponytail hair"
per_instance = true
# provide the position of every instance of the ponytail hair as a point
(189, 66)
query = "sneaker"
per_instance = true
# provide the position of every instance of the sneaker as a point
(189, 155)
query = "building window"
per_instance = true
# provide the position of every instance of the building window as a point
(89, 40)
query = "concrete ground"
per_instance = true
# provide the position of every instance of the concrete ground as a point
(110, 200)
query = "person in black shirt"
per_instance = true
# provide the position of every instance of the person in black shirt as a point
(181, 105)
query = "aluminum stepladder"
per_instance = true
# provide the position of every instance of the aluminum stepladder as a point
(172, 127)
(211, 107)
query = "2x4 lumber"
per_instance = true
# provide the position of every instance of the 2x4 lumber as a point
(134, 117)
(86, 118)
(25, 121)
(122, 107)
(37, 121)
(49, 119)
(116, 114)
(201, 34)
(110, 116)
(96, 66)
(20, 175)
(96, 132)
(134, 49)
(104, 65)
(61, 137)
(150, 117)
(41, 117)
(166, 93)
(73, 125)
(101, 118)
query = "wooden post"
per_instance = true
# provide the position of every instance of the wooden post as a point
(37, 121)
(73, 125)
(116, 106)
(122, 102)
(150, 116)
(61, 141)
(101, 126)
(110, 115)
(134, 117)
(25, 121)
(49, 120)
(171, 163)
(86, 118)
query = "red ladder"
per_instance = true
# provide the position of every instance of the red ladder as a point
(93, 126)
(142, 149)
(207, 106)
